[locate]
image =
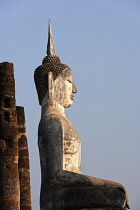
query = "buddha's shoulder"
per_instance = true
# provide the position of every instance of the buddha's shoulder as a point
(56, 117)
(52, 117)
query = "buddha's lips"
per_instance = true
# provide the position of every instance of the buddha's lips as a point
(72, 97)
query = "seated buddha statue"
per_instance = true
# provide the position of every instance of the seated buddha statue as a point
(62, 184)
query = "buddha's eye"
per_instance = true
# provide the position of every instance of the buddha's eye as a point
(69, 79)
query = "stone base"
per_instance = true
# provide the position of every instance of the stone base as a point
(109, 208)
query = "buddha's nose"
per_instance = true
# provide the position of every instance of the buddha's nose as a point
(74, 89)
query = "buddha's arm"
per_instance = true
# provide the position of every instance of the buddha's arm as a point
(50, 146)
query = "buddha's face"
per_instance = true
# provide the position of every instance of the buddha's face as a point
(64, 89)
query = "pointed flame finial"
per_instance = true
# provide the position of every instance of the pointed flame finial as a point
(50, 46)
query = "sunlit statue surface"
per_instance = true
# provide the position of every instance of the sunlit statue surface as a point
(62, 184)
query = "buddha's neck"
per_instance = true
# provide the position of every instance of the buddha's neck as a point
(55, 108)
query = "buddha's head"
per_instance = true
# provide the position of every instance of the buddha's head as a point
(54, 80)
(64, 89)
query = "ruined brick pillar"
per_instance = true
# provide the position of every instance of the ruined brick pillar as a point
(23, 161)
(9, 176)
(14, 159)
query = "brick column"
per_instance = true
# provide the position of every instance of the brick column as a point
(23, 164)
(9, 176)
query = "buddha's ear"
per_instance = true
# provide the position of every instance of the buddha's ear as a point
(50, 88)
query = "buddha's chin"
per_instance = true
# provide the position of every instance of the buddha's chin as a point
(69, 104)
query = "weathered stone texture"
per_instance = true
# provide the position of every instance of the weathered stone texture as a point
(23, 162)
(9, 177)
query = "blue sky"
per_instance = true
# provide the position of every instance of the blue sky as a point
(99, 40)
